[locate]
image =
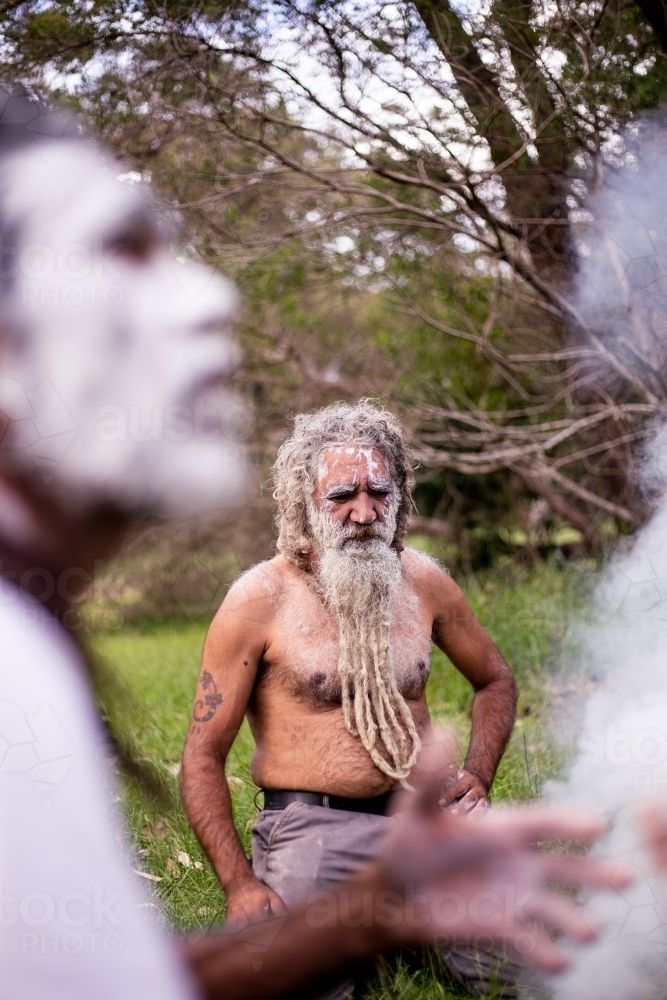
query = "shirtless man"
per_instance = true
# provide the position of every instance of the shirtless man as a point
(326, 648)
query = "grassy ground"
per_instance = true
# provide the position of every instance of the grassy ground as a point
(156, 667)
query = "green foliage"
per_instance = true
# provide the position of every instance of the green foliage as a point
(372, 258)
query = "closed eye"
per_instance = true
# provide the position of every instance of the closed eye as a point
(340, 497)
(136, 240)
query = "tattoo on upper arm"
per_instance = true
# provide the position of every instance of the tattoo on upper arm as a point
(206, 707)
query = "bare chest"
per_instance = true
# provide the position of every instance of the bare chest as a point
(304, 651)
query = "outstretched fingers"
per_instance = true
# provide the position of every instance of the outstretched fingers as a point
(587, 871)
(653, 823)
(561, 914)
(534, 823)
(537, 949)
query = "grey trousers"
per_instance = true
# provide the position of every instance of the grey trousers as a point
(304, 851)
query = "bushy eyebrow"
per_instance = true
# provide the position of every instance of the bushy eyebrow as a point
(340, 490)
(344, 488)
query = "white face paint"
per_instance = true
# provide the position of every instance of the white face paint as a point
(111, 352)
(340, 471)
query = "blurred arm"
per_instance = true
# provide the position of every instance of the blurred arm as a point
(432, 856)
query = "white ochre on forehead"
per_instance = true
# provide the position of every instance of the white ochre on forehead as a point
(370, 460)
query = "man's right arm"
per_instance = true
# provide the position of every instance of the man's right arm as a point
(232, 652)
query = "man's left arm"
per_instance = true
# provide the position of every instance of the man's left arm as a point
(458, 633)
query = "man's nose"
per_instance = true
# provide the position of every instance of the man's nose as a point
(363, 511)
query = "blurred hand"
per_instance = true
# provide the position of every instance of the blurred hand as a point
(467, 881)
(249, 902)
(438, 878)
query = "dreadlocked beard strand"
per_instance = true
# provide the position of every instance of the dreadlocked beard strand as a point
(357, 582)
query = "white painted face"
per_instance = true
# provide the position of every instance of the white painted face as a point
(111, 351)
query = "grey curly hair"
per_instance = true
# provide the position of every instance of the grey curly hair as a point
(295, 469)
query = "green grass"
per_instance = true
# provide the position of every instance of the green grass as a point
(151, 671)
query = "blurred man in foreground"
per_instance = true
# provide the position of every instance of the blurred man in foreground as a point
(100, 330)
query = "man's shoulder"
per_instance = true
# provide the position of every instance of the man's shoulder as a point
(43, 682)
(426, 575)
(420, 566)
(32, 639)
(263, 583)
(253, 601)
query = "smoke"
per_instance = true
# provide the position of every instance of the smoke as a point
(622, 755)
(622, 644)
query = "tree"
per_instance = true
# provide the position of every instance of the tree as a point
(412, 148)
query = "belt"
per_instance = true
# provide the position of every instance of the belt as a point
(278, 798)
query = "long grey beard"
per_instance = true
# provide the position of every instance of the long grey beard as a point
(358, 580)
